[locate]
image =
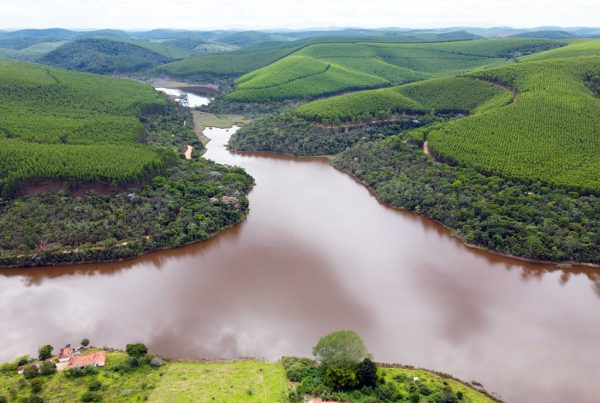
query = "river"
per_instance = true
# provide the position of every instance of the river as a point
(318, 253)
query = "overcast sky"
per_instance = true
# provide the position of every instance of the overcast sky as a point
(253, 14)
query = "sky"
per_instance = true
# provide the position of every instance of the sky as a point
(295, 14)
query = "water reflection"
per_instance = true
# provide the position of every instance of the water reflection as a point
(186, 98)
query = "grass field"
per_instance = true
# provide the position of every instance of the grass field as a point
(56, 124)
(239, 381)
(328, 68)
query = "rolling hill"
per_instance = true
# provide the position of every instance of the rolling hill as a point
(236, 63)
(71, 126)
(543, 129)
(328, 68)
(110, 56)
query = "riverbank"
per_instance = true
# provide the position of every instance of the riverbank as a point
(245, 380)
(529, 221)
(142, 221)
(455, 234)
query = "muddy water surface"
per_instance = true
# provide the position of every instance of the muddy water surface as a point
(318, 253)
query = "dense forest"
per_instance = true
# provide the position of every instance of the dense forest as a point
(189, 201)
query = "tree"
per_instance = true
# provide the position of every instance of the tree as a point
(136, 350)
(85, 342)
(45, 352)
(367, 373)
(30, 371)
(342, 348)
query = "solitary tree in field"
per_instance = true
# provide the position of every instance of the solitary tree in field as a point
(343, 348)
(85, 342)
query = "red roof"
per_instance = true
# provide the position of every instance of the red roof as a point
(65, 353)
(80, 361)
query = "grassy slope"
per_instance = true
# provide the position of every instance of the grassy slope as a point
(433, 382)
(117, 386)
(237, 381)
(59, 124)
(327, 68)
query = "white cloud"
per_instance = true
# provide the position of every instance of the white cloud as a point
(212, 14)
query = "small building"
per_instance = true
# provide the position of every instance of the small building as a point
(65, 354)
(97, 359)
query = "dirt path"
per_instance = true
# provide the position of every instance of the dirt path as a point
(426, 147)
(188, 152)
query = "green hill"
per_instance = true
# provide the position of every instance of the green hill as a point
(442, 95)
(544, 129)
(71, 126)
(228, 64)
(328, 68)
(549, 133)
(108, 56)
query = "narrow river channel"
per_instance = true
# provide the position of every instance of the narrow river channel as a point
(318, 253)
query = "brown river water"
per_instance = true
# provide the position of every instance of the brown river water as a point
(318, 253)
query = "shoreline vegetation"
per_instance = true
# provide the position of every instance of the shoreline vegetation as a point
(404, 155)
(341, 371)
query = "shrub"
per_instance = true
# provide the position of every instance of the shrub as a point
(340, 378)
(94, 385)
(387, 393)
(80, 372)
(295, 373)
(45, 352)
(424, 390)
(24, 359)
(47, 368)
(30, 371)
(341, 348)
(91, 397)
(136, 350)
(36, 386)
(367, 373)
